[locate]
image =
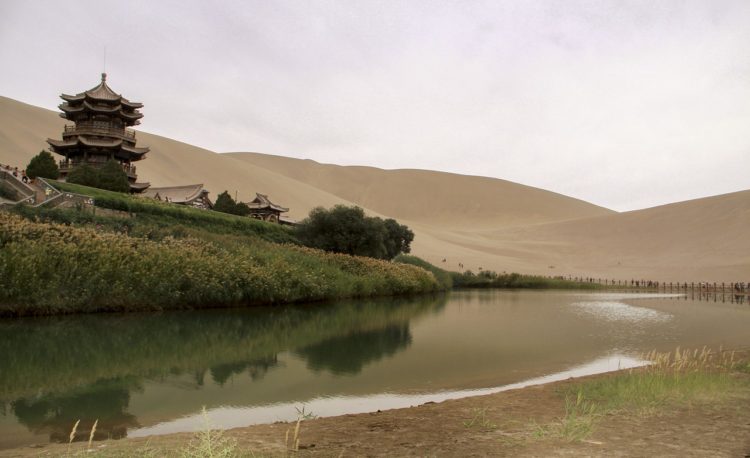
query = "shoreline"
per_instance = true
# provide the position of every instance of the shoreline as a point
(331, 407)
(513, 422)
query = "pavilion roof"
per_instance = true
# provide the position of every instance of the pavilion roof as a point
(101, 99)
(261, 201)
(102, 92)
(177, 194)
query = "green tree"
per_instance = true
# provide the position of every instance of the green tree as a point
(113, 178)
(42, 165)
(84, 175)
(224, 203)
(398, 238)
(347, 230)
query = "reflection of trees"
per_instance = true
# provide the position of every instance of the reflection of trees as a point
(255, 369)
(36, 355)
(50, 383)
(349, 354)
(106, 401)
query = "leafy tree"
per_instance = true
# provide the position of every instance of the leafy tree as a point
(112, 177)
(224, 203)
(242, 209)
(347, 230)
(84, 175)
(42, 165)
(398, 239)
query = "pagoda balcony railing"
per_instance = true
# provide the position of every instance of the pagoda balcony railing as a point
(82, 129)
(66, 166)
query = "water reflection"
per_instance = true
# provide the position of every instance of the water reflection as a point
(255, 369)
(58, 370)
(152, 373)
(348, 354)
(54, 414)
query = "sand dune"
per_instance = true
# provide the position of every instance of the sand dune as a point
(436, 198)
(476, 221)
(698, 240)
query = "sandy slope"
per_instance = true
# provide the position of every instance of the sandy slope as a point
(476, 221)
(435, 198)
(698, 240)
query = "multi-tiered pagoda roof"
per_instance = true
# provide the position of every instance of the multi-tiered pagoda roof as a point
(100, 132)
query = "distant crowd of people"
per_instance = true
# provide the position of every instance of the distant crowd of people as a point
(16, 173)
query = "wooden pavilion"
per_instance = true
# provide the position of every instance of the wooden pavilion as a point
(262, 208)
(100, 132)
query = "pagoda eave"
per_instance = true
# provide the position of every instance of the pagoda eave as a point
(139, 151)
(133, 153)
(138, 187)
(133, 105)
(72, 98)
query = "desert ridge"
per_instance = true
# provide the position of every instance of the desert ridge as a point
(698, 240)
(436, 198)
(478, 222)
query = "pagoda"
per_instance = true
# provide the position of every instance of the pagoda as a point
(100, 132)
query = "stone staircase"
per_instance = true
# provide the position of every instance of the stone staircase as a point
(38, 192)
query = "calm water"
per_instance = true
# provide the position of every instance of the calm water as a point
(143, 374)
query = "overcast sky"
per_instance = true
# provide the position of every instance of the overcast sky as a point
(626, 104)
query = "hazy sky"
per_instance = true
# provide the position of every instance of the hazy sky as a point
(626, 104)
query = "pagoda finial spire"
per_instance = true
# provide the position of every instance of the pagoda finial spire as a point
(104, 77)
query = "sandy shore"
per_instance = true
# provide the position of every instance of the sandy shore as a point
(513, 423)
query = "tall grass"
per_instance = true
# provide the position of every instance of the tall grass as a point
(51, 268)
(674, 378)
(679, 376)
(442, 276)
(491, 279)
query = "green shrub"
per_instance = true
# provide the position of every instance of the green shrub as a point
(113, 178)
(42, 165)
(443, 277)
(110, 177)
(225, 204)
(347, 230)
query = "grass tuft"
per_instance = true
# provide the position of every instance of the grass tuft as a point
(209, 443)
(479, 420)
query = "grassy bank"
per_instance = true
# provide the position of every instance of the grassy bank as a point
(158, 219)
(50, 268)
(491, 279)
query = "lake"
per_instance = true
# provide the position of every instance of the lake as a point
(142, 374)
